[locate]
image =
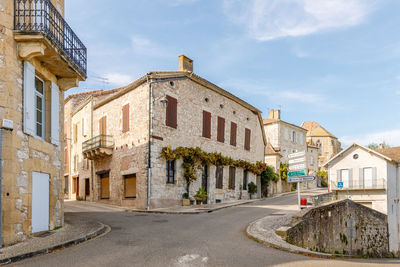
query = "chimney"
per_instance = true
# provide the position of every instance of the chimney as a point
(381, 146)
(277, 114)
(271, 114)
(185, 63)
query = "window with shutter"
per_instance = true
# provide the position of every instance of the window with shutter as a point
(221, 130)
(247, 139)
(125, 118)
(55, 114)
(219, 175)
(245, 179)
(130, 186)
(170, 171)
(39, 106)
(103, 126)
(206, 124)
(232, 174)
(29, 99)
(172, 112)
(75, 133)
(233, 133)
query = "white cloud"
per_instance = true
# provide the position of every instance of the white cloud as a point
(392, 137)
(268, 20)
(397, 92)
(118, 79)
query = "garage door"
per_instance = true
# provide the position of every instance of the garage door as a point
(40, 202)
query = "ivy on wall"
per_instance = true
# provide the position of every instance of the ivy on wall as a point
(283, 170)
(195, 157)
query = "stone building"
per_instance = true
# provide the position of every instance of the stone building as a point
(328, 143)
(369, 177)
(40, 58)
(169, 108)
(284, 138)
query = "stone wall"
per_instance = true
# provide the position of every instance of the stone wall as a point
(24, 154)
(326, 229)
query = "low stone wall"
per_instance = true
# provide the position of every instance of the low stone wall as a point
(327, 229)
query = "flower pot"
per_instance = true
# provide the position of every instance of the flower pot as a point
(199, 200)
(185, 202)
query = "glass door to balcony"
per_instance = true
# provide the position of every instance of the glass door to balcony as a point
(367, 177)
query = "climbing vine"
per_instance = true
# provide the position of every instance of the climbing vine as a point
(283, 170)
(195, 157)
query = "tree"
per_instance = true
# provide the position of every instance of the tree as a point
(375, 145)
(266, 177)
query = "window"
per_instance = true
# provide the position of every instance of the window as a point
(171, 118)
(75, 163)
(219, 176)
(74, 185)
(247, 139)
(39, 97)
(367, 178)
(221, 130)
(206, 124)
(125, 118)
(312, 160)
(75, 133)
(105, 185)
(66, 178)
(346, 176)
(232, 174)
(87, 187)
(130, 185)
(103, 126)
(170, 171)
(233, 133)
(245, 179)
(294, 136)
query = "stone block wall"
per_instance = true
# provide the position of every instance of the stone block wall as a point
(326, 229)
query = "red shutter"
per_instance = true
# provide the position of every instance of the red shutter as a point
(172, 112)
(206, 124)
(125, 118)
(247, 139)
(221, 130)
(233, 133)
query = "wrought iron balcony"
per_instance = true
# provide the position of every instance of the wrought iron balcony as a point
(40, 16)
(360, 185)
(98, 147)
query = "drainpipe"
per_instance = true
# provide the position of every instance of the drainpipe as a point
(151, 129)
(91, 161)
(1, 194)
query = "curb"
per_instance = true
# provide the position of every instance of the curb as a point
(275, 246)
(103, 229)
(205, 210)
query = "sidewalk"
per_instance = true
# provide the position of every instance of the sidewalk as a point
(206, 208)
(73, 232)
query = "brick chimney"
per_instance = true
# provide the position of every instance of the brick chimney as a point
(185, 63)
(274, 114)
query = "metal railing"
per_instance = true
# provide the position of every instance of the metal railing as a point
(357, 185)
(41, 16)
(100, 141)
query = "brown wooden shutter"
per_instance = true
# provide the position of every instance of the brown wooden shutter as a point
(247, 139)
(206, 124)
(172, 112)
(221, 130)
(103, 126)
(125, 118)
(233, 133)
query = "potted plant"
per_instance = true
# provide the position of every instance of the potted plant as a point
(185, 199)
(201, 196)
(252, 189)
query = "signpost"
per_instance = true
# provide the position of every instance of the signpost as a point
(297, 171)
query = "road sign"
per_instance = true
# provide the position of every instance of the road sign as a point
(297, 167)
(297, 154)
(297, 173)
(298, 160)
(339, 184)
(300, 179)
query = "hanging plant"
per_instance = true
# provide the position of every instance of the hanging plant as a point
(283, 170)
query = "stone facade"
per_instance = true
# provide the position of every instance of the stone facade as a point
(370, 233)
(328, 143)
(23, 153)
(130, 150)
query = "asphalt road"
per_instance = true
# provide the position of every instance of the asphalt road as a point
(209, 239)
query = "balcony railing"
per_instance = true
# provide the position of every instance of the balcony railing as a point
(360, 185)
(100, 141)
(41, 16)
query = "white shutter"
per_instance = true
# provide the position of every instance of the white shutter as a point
(55, 114)
(29, 98)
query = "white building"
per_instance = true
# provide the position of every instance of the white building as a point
(369, 177)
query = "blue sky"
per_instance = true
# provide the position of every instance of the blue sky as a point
(336, 62)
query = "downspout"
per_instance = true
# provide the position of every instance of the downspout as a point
(151, 129)
(1, 185)
(91, 161)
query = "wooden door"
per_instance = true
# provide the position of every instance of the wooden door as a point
(87, 188)
(105, 186)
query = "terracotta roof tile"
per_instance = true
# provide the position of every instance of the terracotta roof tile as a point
(390, 152)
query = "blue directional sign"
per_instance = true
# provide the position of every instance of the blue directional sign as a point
(339, 184)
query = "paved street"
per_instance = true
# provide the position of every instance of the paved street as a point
(209, 239)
